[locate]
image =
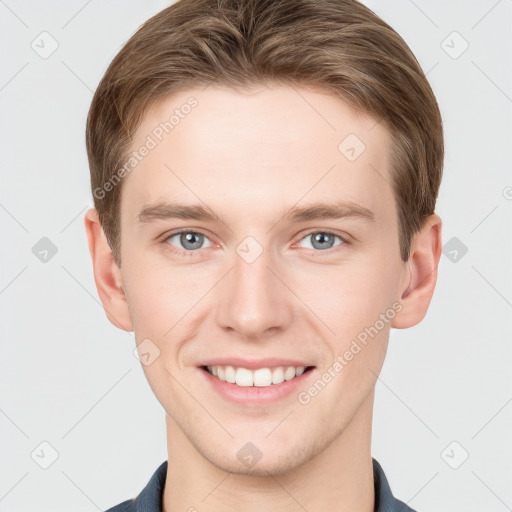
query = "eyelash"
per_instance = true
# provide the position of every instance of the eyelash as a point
(182, 252)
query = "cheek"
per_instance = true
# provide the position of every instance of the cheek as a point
(350, 296)
(357, 308)
(159, 295)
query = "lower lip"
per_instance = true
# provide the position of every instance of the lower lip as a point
(254, 395)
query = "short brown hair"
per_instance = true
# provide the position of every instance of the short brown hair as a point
(340, 46)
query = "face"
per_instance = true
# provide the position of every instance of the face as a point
(298, 258)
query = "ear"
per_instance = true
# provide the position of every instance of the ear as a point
(420, 276)
(107, 274)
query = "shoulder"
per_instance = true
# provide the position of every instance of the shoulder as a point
(384, 499)
(125, 506)
(150, 498)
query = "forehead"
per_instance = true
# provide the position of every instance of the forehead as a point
(269, 147)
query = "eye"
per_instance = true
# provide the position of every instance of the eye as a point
(188, 241)
(323, 240)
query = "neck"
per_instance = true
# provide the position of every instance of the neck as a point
(338, 478)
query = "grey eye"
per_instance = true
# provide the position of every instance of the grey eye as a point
(189, 240)
(322, 240)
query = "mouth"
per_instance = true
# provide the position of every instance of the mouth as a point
(261, 377)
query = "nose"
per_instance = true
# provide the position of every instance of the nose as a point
(255, 301)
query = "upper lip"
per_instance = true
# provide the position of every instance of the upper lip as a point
(253, 364)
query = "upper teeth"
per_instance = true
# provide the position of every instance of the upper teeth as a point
(261, 377)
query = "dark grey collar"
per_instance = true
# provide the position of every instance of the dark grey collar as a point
(150, 498)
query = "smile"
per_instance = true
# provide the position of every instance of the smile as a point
(261, 377)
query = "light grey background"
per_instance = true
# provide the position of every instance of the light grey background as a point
(70, 379)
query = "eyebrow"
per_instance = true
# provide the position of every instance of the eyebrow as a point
(315, 211)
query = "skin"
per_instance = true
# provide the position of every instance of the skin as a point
(249, 157)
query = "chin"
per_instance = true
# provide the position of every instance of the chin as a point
(260, 459)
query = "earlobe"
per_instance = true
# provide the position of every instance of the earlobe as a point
(426, 248)
(107, 274)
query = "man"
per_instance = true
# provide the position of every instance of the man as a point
(265, 176)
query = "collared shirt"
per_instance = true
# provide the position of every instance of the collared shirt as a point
(150, 498)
